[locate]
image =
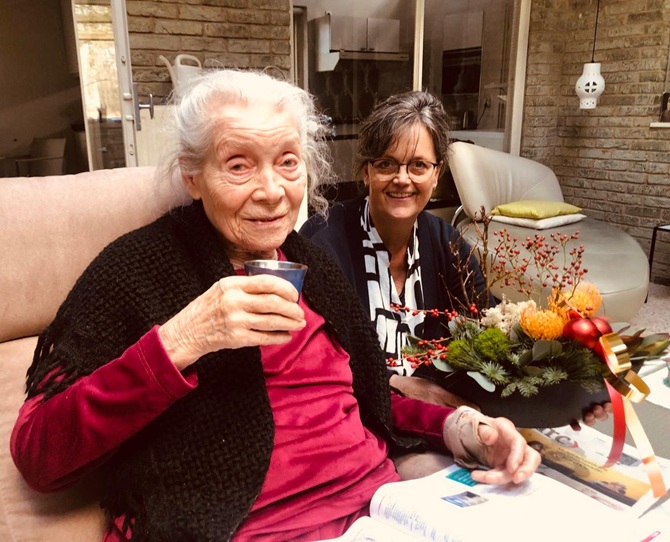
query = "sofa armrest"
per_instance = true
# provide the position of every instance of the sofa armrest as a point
(52, 227)
(72, 515)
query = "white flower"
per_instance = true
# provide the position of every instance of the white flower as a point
(505, 315)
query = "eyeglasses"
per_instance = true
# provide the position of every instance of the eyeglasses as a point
(417, 170)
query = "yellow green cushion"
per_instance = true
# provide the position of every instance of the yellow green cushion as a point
(535, 209)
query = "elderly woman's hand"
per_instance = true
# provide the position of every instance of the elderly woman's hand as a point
(234, 312)
(475, 439)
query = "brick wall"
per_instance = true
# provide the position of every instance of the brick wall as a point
(609, 160)
(230, 33)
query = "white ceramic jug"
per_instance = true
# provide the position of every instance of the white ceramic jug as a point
(182, 73)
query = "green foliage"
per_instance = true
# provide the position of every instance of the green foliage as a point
(413, 349)
(516, 366)
(519, 364)
(554, 375)
(492, 344)
(543, 349)
(495, 372)
(528, 386)
(464, 328)
(461, 355)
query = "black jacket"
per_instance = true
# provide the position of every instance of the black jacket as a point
(194, 473)
(341, 235)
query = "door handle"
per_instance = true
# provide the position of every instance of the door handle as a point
(139, 106)
(149, 106)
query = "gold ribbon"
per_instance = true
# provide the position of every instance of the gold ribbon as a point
(615, 354)
(625, 385)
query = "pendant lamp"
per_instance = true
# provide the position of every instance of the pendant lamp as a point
(591, 84)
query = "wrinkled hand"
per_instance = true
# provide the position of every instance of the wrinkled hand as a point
(492, 442)
(426, 390)
(599, 413)
(235, 312)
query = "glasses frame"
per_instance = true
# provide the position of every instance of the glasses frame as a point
(399, 165)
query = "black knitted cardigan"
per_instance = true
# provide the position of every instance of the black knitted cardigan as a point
(194, 473)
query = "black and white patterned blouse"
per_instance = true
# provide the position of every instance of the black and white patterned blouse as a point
(392, 326)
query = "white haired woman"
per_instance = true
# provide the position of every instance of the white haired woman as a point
(222, 406)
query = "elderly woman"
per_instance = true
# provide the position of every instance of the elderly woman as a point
(220, 406)
(395, 253)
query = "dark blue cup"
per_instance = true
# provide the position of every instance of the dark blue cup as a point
(291, 271)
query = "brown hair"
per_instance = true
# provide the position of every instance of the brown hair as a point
(379, 131)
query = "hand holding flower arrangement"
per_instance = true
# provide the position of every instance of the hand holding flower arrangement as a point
(542, 347)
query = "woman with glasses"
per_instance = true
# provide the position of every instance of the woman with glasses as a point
(392, 251)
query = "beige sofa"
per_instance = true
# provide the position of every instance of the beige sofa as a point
(50, 229)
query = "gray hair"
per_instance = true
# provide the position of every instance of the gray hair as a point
(193, 123)
(379, 131)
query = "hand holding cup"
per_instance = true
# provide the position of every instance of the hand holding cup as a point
(290, 271)
(235, 312)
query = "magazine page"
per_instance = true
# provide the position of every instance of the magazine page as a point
(367, 529)
(449, 506)
(575, 458)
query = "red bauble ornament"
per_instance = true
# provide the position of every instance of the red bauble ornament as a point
(602, 325)
(582, 330)
(604, 328)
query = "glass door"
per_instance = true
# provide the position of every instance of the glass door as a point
(471, 54)
(122, 129)
(474, 59)
(467, 63)
(361, 53)
(100, 84)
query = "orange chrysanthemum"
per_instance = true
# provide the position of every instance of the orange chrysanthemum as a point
(586, 299)
(542, 324)
(556, 302)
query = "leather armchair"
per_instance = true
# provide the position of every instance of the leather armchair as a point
(615, 261)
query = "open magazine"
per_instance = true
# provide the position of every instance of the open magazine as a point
(449, 506)
(575, 458)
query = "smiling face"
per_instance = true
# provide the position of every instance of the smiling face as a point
(253, 179)
(400, 200)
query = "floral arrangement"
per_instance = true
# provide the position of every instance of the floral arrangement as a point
(524, 346)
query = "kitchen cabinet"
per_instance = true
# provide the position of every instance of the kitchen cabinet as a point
(383, 35)
(342, 33)
(357, 38)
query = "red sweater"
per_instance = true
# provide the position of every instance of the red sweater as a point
(325, 464)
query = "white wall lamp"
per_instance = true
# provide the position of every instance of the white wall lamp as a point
(591, 84)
